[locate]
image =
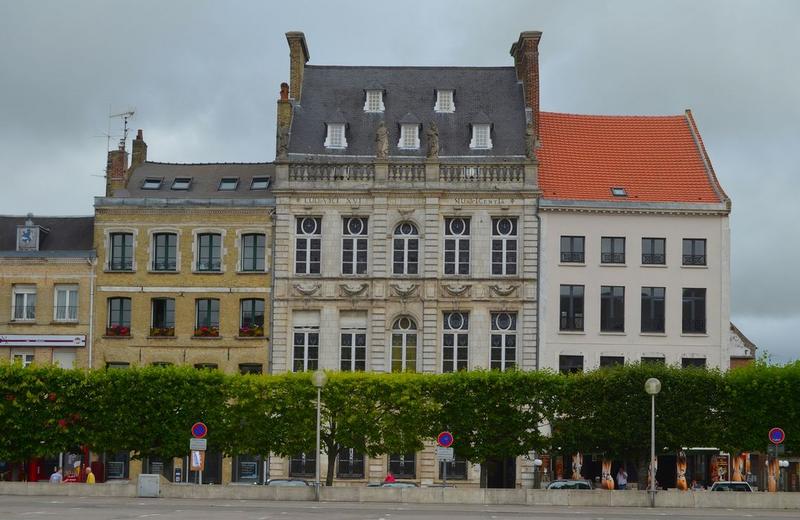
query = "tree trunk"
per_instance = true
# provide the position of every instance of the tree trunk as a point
(333, 452)
(484, 475)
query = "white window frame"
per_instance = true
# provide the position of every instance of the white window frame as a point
(71, 300)
(481, 136)
(409, 136)
(457, 239)
(306, 330)
(308, 241)
(404, 334)
(354, 330)
(406, 239)
(503, 242)
(374, 101)
(336, 136)
(28, 293)
(25, 356)
(445, 101)
(447, 330)
(358, 244)
(504, 334)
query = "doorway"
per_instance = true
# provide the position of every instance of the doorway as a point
(501, 473)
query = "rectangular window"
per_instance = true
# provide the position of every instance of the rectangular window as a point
(119, 317)
(305, 345)
(611, 361)
(181, 183)
(456, 245)
(165, 252)
(405, 249)
(121, 252)
(163, 322)
(259, 183)
(251, 368)
(653, 309)
(504, 246)
(254, 252)
(228, 183)
(694, 251)
(455, 342)
(404, 345)
(481, 137)
(251, 318)
(570, 364)
(571, 315)
(151, 184)
(335, 137)
(654, 251)
(612, 250)
(653, 360)
(349, 464)
(444, 101)
(209, 253)
(693, 363)
(207, 322)
(24, 302)
(374, 102)
(22, 357)
(612, 309)
(403, 465)
(354, 245)
(504, 340)
(303, 465)
(308, 240)
(456, 469)
(694, 311)
(409, 137)
(66, 304)
(572, 249)
(353, 341)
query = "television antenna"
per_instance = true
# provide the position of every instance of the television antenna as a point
(124, 116)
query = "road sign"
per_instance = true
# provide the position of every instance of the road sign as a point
(777, 436)
(197, 461)
(444, 454)
(445, 439)
(199, 430)
(198, 444)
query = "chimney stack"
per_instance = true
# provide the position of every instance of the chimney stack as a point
(298, 57)
(526, 62)
(138, 150)
(116, 170)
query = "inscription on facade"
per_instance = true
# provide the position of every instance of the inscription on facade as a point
(329, 200)
(483, 201)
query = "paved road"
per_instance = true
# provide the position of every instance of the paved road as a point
(77, 508)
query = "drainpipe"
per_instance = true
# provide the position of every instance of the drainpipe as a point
(538, 284)
(272, 214)
(93, 263)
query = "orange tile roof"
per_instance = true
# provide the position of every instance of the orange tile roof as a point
(655, 158)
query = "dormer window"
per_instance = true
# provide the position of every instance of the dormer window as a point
(409, 136)
(181, 183)
(336, 137)
(228, 183)
(259, 183)
(151, 184)
(374, 102)
(444, 101)
(481, 137)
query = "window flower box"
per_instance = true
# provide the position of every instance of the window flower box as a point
(162, 331)
(118, 330)
(251, 332)
(207, 332)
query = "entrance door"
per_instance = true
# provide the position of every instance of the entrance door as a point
(501, 473)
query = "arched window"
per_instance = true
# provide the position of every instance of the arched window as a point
(404, 345)
(406, 249)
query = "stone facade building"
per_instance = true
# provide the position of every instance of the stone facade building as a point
(406, 228)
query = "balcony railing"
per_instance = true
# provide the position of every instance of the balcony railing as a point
(164, 265)
(576, 257)
(121, 264)
(25, 312)
(653, 259)
(694, 259)
(209, 265)
(694, 326)
(482, 173)
(612, 258)
(66, 313)
(331, 172)
(406, 172)
(571, 323)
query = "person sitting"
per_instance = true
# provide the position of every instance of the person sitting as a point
(696, 486)
(56, 477)
(389, 478)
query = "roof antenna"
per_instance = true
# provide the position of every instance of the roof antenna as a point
(125, 116)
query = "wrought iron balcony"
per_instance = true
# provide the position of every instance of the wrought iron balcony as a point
(694, 259)
(612, 258)
(654, 259)
(576, 257)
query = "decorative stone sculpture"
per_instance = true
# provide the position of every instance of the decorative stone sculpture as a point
(382, 142)
(283, 144)
(529, 141)
(433, 140)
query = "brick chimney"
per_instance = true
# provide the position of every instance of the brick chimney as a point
(298, 57)
(284, 124)
(116, 170)
(526, 62)
(138, 150)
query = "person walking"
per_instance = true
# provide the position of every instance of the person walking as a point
(622, 478)
(89, 476)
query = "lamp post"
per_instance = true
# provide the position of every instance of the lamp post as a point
(652, 386)
(318, 379)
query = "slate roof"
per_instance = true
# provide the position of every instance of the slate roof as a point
(205, 180)
(494, 91)
(655, 158)
(65, 234)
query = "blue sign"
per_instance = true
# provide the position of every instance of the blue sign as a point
(445, 439)
(199, 430)
(777, 436)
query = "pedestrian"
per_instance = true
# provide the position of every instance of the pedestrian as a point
(56, 477)
(622, 478)
(89, 476)
(389, 478)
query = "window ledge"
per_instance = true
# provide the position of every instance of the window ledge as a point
(573, 332)
(161, 337)
(68, 323)
(119, 270)
(250, 338)
(162, 271)
(116, 337)
(694, 334)
(612, 265)
(612, 333)
(654, 265)
(657, 334)
(22, 322)
(573, 264)
(694, 266)
(195, 271)
(206, 337)
(252, 272)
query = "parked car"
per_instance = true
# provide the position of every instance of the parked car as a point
(392, 484)
(725, 485)
(288, 482)
(570, 484)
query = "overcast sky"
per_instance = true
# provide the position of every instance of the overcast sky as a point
(203, 78)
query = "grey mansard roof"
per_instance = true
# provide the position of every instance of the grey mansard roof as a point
(65, 236)
(205, 180)
(493, 92)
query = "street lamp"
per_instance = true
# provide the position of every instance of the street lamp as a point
(652, 386)
(318, 379)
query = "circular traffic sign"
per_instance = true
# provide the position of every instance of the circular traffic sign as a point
(777, 436)
(199, 430)
(445, 439)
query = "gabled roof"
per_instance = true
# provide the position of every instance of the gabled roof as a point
(494, 91)
(654, 158)
(63, 234)
(205, 180)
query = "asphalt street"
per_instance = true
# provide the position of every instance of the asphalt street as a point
(97, 508)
